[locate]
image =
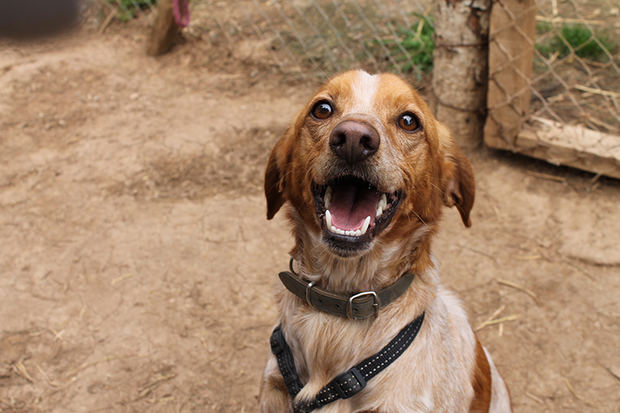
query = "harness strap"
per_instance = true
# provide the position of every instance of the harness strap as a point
(286, 363)
(349, 383)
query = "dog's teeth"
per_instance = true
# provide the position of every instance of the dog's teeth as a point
(336, 230)
(381, 205)
(365, 226)
(328, 196)
(351, 233)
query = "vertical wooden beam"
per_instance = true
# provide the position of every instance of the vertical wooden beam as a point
(511, 53)
(164, 30)
(460, 67)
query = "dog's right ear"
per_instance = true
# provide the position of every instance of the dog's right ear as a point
(275, 174)
(458, 184)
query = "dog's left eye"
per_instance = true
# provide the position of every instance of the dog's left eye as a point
(408, 122)
(322, 110)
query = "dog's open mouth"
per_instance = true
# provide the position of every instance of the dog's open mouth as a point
(352, 211)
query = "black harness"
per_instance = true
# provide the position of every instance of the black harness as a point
(349, 383)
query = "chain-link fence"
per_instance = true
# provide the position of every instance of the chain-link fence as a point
(554, 82)
(316, 38)
(556, 60)
(322, 37)
(576, 75)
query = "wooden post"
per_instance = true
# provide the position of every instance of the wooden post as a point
(571, 145)
(511, 53)
(164, 30)
(460, 67)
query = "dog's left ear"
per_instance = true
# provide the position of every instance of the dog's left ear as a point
(457, 181)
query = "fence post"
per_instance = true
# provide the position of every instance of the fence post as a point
(164, 30)
(460, 63)
(511, 54)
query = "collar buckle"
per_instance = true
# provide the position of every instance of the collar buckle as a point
(376, 304)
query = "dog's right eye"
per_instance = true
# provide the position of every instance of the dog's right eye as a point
(322, 110)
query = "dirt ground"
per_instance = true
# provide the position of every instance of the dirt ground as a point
(138, 271)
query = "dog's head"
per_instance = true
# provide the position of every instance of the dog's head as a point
(365, 161)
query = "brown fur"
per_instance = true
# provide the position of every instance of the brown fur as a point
(433, 172)
(432, 164)
(274, 389)
(481, 381)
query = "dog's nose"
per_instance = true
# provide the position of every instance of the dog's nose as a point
(354, 141)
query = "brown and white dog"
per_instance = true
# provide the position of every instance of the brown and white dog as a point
(365, 170)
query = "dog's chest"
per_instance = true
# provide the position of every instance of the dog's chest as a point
(422, 379)
(328, 346)
(324, 349)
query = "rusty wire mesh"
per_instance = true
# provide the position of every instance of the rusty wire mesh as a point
(576, 75)
(572, 75)
(322, 37)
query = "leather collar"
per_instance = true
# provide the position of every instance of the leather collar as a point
(356, 307)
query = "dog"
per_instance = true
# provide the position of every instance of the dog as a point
(365, 170)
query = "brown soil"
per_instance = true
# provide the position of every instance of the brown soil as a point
(138, 271)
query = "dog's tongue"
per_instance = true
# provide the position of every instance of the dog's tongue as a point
(351, 203)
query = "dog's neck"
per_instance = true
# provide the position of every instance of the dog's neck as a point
(381, 266)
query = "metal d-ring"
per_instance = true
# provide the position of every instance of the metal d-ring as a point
(308, 288)
(290, 266)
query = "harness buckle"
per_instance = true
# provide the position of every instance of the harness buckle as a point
(376, 304)
(349, 383)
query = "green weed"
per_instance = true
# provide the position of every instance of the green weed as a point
(577, 37)
(127, 9)
(413, 48)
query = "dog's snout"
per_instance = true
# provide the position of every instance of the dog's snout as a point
(354, 141)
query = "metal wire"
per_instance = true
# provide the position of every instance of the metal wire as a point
(576, 78)
(322, 37)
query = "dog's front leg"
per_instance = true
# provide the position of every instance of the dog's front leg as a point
(273, 396)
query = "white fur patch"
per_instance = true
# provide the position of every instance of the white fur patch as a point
(500, 399)
(271, 368)
(364, 88)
